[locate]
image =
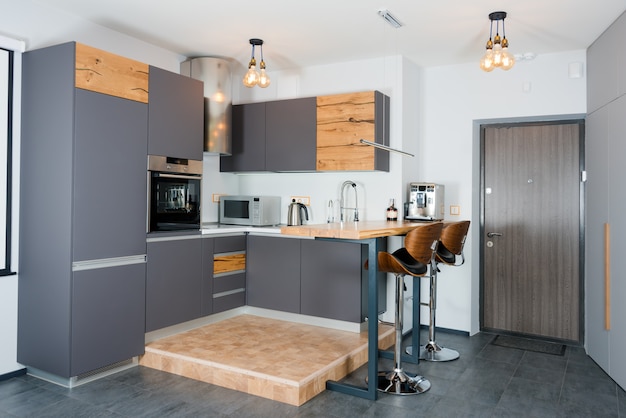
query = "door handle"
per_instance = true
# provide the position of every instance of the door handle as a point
(494, 234)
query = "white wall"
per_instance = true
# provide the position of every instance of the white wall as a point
(454, 98)
(374, 189)
(39, 26)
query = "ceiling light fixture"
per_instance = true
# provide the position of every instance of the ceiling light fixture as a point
(253, 77)
(392, 20)
(497, 54)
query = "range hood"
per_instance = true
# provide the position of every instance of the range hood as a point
(215, 73)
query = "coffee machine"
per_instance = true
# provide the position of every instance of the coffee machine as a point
(425, 202)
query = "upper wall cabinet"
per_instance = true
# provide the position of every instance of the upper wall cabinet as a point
(175, 115)
(342, 121)
(310, 134)
(104, 72)
(273, 136)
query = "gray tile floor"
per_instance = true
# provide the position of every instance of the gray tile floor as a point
(487, 381)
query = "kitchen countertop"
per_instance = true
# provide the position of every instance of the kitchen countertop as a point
(214, 228)
(352, 230)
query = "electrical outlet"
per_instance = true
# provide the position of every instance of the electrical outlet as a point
(305, 200)
(215, 197)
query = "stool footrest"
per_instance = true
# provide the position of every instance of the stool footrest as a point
(398, 382)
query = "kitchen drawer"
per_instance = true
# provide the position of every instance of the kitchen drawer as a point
(229, 244)
(224, 263)
(224, 303)
(229, 282)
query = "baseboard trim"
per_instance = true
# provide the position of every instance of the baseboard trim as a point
(10, 375)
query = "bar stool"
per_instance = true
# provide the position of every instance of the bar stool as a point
(413, 259)
(449, 250)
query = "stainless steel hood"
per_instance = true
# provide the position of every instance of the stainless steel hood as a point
(215, 73)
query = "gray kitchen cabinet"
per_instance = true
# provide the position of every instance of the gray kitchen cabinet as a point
(173, 281)
(332, 281)
(273, 273)
(290, 133)
(248, 136)
(229, 272)
(176, 115)
(605, 151)
(82, 256)
(207, 276)
(273, 136)
(312, 277)
(108, 313)
(110, 177)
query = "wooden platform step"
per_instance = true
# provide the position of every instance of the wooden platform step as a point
(279, 360)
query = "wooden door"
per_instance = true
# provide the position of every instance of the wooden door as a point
(531, 230)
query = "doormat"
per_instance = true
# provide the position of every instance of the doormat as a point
(529, 345)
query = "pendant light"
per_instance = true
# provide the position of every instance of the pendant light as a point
(497, 54)
(253, 77)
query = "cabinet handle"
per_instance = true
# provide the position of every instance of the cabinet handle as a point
(607, 276)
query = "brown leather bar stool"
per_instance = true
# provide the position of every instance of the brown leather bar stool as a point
(415, 259)
(449, 252)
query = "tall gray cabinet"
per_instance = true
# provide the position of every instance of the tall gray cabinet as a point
(605, 151)
(81, 303)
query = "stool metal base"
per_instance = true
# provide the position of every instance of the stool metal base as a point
(398, 382)
(434, 352)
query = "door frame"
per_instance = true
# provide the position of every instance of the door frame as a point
(478, 207)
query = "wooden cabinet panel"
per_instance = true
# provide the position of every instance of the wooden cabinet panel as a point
(228, 263)
(342, 121)
(111, 74)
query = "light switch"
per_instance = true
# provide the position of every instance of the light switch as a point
(455, 210)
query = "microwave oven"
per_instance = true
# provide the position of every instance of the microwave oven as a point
(250, 210)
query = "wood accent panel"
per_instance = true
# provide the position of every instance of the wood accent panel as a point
(230, 262)
(104, 72)
(353, 230)
(342, 120)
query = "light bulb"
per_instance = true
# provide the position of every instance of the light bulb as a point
(264, 79)
(486, 63)
(251, 78)
(497, 55)
(508, 60)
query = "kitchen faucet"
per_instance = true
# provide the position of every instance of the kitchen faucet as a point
(343, 201)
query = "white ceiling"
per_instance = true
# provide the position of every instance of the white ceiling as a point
(303, 33)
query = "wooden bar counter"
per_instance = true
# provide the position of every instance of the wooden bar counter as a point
(352, 230)
(367, 233)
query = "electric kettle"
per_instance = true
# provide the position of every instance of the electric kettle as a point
(297, 213)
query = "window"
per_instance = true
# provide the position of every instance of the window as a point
(6, 131)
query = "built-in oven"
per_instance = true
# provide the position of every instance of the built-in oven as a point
(174, 186)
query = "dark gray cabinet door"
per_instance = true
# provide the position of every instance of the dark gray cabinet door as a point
(109, 204)
(176, 115)
(207, 275)
(173, 282)
(273, 273)
(331, 285)
(248, 147)
(108, 312)
(291, 134)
